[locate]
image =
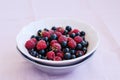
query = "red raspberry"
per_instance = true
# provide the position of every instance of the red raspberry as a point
(58, 33)
(60, 54)
(34, 40)
(56, 47)
(75, 31)
(57, 58)
(50, 55)
(69, 38)
(30, 44)
(78, 39)
(62, 38)
(41, 45)
(45, 34)
(53, 41)
(51, 32)
(60, 29)
(72, 44)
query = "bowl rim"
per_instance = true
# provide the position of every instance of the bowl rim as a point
(53, 66)
(65, 61)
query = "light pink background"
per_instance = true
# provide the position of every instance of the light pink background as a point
(104, 15)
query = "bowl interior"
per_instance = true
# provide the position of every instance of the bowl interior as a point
(27, 31)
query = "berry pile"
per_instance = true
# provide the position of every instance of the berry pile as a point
(57, 44)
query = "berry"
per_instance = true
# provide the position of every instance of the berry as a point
(45, 29)
(75, 31)
(39, 56)
(45, 38)
(67, 55)
(58, 33)
(43, 57)
(78, 39)
(33, 36)
(72, 44)
(82, 33)
(72, 51)
(84, 49)
(34, 53)
(69, 39)
(65, 32)
(57, 58)
(64, 44)
(53, 41)
(73, 56)
(39, 32)
(50, 55)
(45, 34)
(38, 38)
(42, 52)
(79, 53)
(66, 50)
(60, 29)
(53, 37)
(84, 43)
(34, 39)
(30, 44)
(78, 34)
(53, 28)
(79, 46)
(60, 54)
(51, 32)
(56, 47)
(68, 28)
(62, 38)
(72, 35)
(41, 45)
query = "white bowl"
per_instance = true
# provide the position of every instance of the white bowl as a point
(53, 69)
(32, 28)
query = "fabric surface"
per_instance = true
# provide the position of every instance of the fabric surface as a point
(103, 15)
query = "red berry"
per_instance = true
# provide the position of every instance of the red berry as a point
(41, 45)
(60, 54)
(56, 47)
(46, 34)
(78, 39)
(75, 31)
(58, 33)
(72, 44)
(53, 41)
(50, 55)
(30, 44)
(57, 58)
(62, 38)
(60, 29)
(51, 32)
(69, 38)
(35, 41)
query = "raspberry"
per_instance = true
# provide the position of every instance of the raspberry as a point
(60, 29)
(58, 33)
(35, 41)
(51, 32)
(57, 58)
(46, 34)
(78, 39)
(72, 44)
(62, 38)
(75, 31)
(60, 54)
(50, 55)
(56, 47)
(41, 45)
(69, 39)
(53, 41)
(30, 44)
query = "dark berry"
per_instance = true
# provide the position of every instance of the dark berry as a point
(82, 33)
(39, 56)
(79, 46)
(34, 53)
(38, 38)
(67, 55)
(84, 49)
(33, 36)
(64, 44)
(79, 53)
(78, 34)
(39, 32)
(73, 56)
(65, 32)
(72, 35)
(68, 28)
(72, 51)
(53, 37)
(45, 38)
(84, 43)
(43, 57)
(53, 28)
(45, 29)
(65, 50)
(42, 52)
(48, 44)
